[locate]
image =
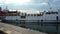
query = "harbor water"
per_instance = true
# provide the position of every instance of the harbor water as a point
(39, 26)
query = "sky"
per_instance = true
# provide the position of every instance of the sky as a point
(30, 4)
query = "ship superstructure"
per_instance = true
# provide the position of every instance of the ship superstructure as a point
(42, 16)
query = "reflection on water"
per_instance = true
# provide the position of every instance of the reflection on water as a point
(39, 26)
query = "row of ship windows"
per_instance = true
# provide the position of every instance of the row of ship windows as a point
(32, 14)
(51, 12)
(25, 15)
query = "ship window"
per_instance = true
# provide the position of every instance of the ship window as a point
(31, 14)
(51, 12)
(23, 16)
(12, 14)
(28, 14)
(39, 14)
(34, 14)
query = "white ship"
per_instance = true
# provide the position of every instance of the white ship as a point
(50, 16)
(43, 21)
(38, 21)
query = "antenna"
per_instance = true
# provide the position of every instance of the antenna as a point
(49, 6)
(6, 8)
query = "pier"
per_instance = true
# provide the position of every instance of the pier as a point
(11, 29)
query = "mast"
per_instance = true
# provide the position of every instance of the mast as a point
(0, 9)
(50, 8)
(6, 9)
